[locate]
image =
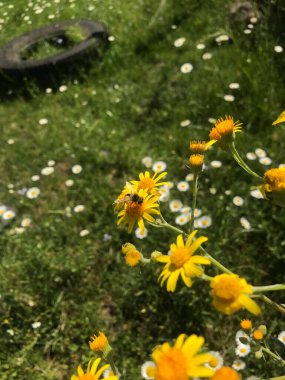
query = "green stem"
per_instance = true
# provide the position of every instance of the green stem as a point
(273, 304)
(206, 277)
(194, 199)
(112, 365)
(277, 378)
(240, 161)
(268, 288)
(215, 262)
(269, 352)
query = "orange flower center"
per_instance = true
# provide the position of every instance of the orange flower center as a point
(133, 258)
(87, 376)
(228, 288)
(275, 178)
(171, 365)
(257, 334)
(226, 373)
(246, 324)
(179, 257)
(146, 184)
(134, 210)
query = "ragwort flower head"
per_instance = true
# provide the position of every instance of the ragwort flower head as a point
(231, 293)
(224, 131)
(197, 147)
(181, 361)
(226, 373)
(99, 343)
(181, 261)
(274, 185)
(92, 373)
(148, 183)
(135, 207)
(132, 256)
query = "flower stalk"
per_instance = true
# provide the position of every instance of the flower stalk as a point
(241, 162)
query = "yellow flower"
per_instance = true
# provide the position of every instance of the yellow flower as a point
(226, 373)
(198, 147)
(99, 343)
(224, 131)
(92, 373)
(274, 185)
(257, 334)
(132, 256)
(138, 207)
(230, 294)
(196, 162)
(280, 119)
(246, 324)
(182, 262)
(150, 184)
(181, 361)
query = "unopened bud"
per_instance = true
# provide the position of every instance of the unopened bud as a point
(263, 329)
(258, 354)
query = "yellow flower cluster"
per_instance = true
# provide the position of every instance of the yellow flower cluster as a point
(138, 200)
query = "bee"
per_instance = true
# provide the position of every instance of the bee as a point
(131, 197)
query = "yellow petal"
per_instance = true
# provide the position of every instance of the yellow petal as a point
(95, 366)
(180, 242)
(190, 238)
(180, 340)
(172, 281)
(187, 280)
(249, 304)
(197, 259)
(197, 244)
(101, 370)
(163, 259)
(192, 345)
(200, 372)
(280, 119)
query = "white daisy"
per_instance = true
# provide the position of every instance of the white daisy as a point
(207, 56)
(204, 222)
(251, 156)
(164, 193)
(238, 365)
(200, 46)
(260, 152)
(8, 215)
(62, 88)
(185, 210)
(43, 121)
(245, 223)
(186, 68)
(107, 237)
(278, 49)
(79, 208)
(253, 20)
(212, 120)
(147, 370)
(48, 90)
(222, 38)
(189, 177)
(170, 184)
(229, 98)
(35, 178)
(159, 166)
(26, 222)
(10, 332)
(179, 42)
(253, 378)
(147, 161)
(281, 337)
(242, 350)
(265, 161)
(183, 186)
(69, 182)
(241, 334)
(182, 219)
(238, 201)
(175, 205)
(247, 31)
(33, 193)
(19, 230)
(84, 233)
(51, 163)
(256, 194)
(111, 38)
(216, 164)
(185, 123)
(216, 362)
(36, 325)
(234, 86)
(197, 212)
(76, 169)
(47, 171)
(213, 190)
(10, 141)
(141, 235)
(281, 166)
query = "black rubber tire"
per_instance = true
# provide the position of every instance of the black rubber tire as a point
(10, 55)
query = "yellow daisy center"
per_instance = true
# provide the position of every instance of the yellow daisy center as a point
(214, 362)
(179, 256)
(134, 210)
(228, 288)
(172, 365)
(146, 184)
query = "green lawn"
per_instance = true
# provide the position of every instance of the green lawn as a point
(106, 118)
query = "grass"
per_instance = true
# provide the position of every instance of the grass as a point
(126, 106)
